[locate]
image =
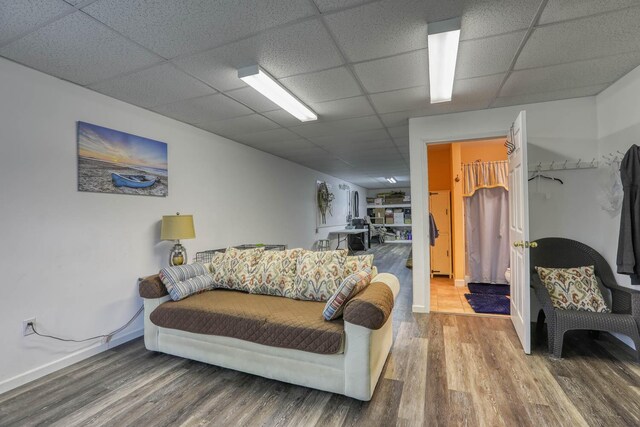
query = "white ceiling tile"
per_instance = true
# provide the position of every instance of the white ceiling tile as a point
(560, 10)
(323, 86)
(294, 49)
(351, 148)
(571, 75)
(343, 108)
(173, 28)
(281, 147)
(592, 37)
(396, 72)
(310, 130)
(267, 136)
(154, 86)
(490, 55)
(239, 125)
(330, 5)
(549, 96)
(78, 49)
(380, 29)
(401, 118)
(20, 17)
(253, 99)
(402, 143)
(483, 18)
(283, 118)
(203, 109)
(352, 137)
(401, 100)
(399, 131)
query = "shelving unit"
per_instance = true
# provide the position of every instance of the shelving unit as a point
(403, 228)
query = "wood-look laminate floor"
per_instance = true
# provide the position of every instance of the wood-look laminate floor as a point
(443, 370)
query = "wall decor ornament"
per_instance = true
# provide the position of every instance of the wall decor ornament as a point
(325, 198)
(110, 161)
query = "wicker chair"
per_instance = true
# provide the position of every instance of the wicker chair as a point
(624, 302)
(374, 231)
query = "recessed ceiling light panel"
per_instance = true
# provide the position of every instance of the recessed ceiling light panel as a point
(443, 40)
(261, 81)
(391, 180)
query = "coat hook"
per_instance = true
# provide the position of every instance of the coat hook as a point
(539, 167)
(578, 164)
(551, 165)
(564, 165)
(620, 152)
(593, 163)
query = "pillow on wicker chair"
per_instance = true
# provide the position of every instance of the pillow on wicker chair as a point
(573, 288)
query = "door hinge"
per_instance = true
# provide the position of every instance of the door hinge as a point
(446, 211)
(447, 253)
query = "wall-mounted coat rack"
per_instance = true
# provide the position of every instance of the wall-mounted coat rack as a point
(563, 165)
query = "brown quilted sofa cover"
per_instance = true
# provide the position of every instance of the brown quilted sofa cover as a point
(263, 319)
(371, 307)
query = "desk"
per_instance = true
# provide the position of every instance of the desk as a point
(343, 235)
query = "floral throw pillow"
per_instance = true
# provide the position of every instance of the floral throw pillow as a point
(349, 287)
(237, 269)
(573, 288)
(318, 274)
(357, 263)
(276, 272)
(216, 262)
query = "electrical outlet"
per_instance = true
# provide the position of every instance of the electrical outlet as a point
(26, 329)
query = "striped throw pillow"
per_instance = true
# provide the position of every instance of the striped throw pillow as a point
(347, 290)
(169, 276)
(191, 286)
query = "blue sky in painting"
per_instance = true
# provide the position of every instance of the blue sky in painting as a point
(113, 146)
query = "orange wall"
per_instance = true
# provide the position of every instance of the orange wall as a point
(485, 151)
(439, 159)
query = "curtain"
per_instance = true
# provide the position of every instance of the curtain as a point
(487, 221)
(485, 175)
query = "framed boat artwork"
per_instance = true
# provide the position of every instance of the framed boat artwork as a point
(110, 161)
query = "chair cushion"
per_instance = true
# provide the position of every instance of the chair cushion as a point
(573, 288)
(353, 264)
(263, 319)
(276, 272)
(237, 269)
(349, 287)
(318, 274)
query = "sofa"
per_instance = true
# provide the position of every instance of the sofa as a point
(279, 338)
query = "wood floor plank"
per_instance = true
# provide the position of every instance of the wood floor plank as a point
(443, 370)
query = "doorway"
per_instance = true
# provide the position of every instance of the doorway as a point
(468, 212)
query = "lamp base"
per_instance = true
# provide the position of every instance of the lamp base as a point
(178, 255)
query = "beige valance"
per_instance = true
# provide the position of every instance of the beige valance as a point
(485, 175)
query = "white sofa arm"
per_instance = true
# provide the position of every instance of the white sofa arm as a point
(150, 329)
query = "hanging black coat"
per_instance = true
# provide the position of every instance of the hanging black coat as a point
(629, 242)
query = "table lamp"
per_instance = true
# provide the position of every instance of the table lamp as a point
(176, 227)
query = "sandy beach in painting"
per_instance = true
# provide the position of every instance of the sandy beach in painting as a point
(95, 176)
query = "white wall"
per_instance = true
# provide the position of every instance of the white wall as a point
(618, 129)
(71, 259)
(559, 130)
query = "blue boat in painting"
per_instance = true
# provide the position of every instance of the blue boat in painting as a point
(133, 181)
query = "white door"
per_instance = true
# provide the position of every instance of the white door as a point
(440, 206)
(519, 232)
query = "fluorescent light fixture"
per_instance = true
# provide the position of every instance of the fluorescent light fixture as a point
(391, 180)
(261, 81)
(443, 41)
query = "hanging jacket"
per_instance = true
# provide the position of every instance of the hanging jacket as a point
(433, 230)
(628, 260)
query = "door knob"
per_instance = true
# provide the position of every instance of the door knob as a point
(532, 245)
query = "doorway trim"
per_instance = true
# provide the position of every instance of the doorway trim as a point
(418, 141)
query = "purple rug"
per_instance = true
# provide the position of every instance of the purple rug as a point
(488, 288)
(489, 303)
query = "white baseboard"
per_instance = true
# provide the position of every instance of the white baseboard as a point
(68, 360)
(460, 282)
(419, 309)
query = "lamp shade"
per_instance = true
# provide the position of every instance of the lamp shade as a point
(177, 227)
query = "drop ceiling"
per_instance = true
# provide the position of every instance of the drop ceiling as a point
(361, 65)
